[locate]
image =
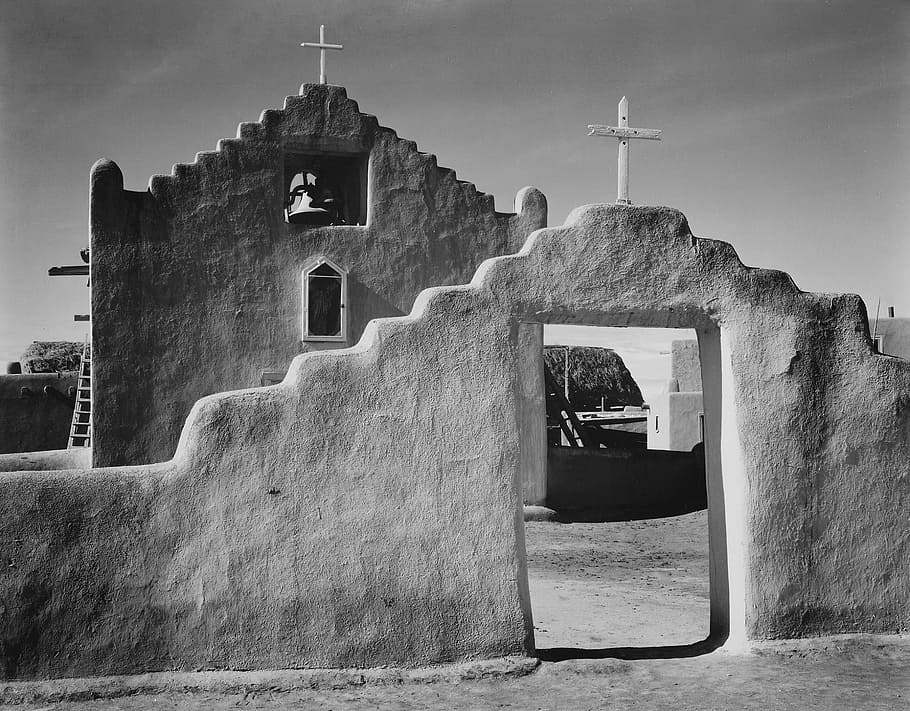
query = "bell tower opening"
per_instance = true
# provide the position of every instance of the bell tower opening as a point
(325, 189)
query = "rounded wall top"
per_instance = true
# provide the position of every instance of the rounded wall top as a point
(530, 199)
(107, 171)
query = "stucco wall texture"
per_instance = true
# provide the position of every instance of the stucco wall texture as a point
(367, 510)
(685, 366)
(196, 282)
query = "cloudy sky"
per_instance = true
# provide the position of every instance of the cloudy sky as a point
(782, 119)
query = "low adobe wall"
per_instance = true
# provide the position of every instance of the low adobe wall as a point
(367, 510)
(47, 460)
(30, 419)
(624, 484)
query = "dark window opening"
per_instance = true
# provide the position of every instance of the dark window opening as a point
(324, 302)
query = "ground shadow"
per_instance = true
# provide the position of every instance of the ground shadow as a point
(673, 651)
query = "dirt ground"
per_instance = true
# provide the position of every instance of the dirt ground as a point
(606, 598)
(632, 583)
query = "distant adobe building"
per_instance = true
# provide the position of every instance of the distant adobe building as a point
(892, 336)
(290, 237)
(676, 420)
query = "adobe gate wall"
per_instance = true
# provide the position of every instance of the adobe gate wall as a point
(367, 510)
(196, 283)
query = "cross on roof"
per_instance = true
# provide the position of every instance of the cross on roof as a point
(623, 133)
(322, 46)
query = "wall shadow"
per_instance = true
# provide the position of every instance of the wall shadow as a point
(671, 651)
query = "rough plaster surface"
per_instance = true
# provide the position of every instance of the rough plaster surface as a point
(367, 510)
(196, 283)
(33, 420)
(49, 460)
(685, 366)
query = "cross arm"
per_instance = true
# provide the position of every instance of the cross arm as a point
(652, 134)
(322, 45)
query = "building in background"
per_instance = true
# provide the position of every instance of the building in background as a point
(676, 418)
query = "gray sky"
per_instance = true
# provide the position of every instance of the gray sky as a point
(782, 119)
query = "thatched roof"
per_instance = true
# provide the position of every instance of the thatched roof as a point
(51, 357)
(593, 373)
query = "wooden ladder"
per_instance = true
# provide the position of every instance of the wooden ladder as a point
(81, 427)
(561, 410)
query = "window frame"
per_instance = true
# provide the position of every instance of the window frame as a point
(312, 266)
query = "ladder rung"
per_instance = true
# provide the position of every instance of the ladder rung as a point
(81, 422)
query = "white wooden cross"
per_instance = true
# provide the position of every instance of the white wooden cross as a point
(623, 133)
(322, 46)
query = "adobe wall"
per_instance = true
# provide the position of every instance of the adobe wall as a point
(673, 421)
(367, 510)
(895, 333)
(624, 484)
(685, 366)
(196, 283)
(47, 460)
(30, 419)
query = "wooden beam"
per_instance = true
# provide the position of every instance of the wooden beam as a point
(77, 270)
(652, 134)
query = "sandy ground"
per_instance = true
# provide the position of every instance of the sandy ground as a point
(610, 602)
(635, 583)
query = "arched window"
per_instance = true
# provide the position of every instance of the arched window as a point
(325, 288)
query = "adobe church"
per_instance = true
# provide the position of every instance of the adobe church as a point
(366, 508)
(219, 274)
